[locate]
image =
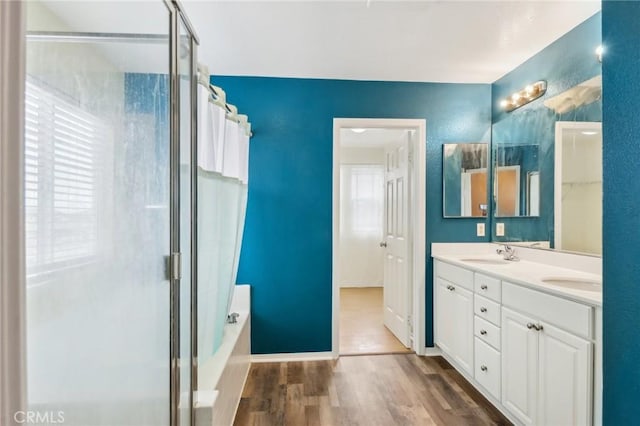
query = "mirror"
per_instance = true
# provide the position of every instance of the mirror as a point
(578, 187)
(546, 175)
(516, 180)
(464, 179)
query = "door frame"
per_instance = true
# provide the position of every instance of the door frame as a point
(12, 260)
(418, 173)
(557, 167)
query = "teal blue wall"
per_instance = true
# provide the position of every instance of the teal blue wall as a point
(621, 225)
(568, 61)
(286, 252)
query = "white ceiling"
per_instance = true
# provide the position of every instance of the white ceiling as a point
(437, 41)
(370, 138)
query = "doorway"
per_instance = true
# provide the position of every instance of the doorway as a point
(378, 231)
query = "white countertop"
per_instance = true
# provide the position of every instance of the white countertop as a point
(529, 274)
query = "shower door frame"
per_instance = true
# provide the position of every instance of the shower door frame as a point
(12, 224)
(178, 16)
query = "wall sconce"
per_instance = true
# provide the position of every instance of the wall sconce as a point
(524, 96)
(599, 52)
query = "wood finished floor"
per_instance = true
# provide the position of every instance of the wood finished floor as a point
(384, 390)
(362, 330)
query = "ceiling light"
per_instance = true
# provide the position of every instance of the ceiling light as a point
(524, 96)
(589, 133)
(358, 130)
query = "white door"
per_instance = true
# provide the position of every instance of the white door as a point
(519, 366)
(564, 378)
(396, 242)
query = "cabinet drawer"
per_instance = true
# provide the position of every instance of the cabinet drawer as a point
(486, 309)
(487, 332)
(455, 274)
(566, 314)
(487, 367)
(487, 286)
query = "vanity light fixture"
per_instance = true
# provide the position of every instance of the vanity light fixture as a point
(358, 130)
(524, 96)
(589, 133)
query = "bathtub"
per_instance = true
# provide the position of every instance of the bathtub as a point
(221, 378)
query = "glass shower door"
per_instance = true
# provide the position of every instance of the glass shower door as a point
(97, 172)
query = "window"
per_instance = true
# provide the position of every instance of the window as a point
(363, 199)
(64, 149)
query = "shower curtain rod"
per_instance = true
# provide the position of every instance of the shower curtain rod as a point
(81, 37)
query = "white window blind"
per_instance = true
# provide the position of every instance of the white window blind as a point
(63, 148)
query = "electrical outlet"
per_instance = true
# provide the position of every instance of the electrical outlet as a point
(499, 229)
(480, 229)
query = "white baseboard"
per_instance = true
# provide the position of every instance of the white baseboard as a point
(297, 356)
(433, 351)
(359, 285)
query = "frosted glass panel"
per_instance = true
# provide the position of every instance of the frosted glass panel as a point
(97, 223)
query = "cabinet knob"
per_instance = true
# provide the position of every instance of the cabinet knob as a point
(538, 327)
(483, 332)
(530, 325)
(483, 368)
(483, 286)
(451, 288)
(483, 309)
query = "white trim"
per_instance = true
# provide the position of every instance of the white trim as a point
(290, 357)
(12, 288)
(557, 167)
(418, 218)
(434, 351)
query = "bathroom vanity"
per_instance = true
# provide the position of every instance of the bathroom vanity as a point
(526, 333)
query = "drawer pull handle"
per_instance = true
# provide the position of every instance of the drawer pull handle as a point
(483, 368)
(483, 332)
(483, 309)
(536, 327)
(450, 288)
(483, 286)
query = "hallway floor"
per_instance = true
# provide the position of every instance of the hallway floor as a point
(385, 390)
(361, 323)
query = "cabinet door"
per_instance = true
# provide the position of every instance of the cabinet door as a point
(445, 316)
(519, 366)
(565, 378)
(462, 301)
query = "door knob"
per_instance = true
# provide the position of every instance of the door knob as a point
(383, 244)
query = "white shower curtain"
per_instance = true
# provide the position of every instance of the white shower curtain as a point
(361, 225)
(222, 197)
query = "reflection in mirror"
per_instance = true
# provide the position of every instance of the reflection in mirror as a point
(464, 180)
(578, 187)
(517, 180)
(571, 69)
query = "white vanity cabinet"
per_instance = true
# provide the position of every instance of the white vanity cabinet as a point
(528, 351)
(454, 313)
(546, 370)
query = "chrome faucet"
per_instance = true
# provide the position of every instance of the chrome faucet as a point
(507, 252)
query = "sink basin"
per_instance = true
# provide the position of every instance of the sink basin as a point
(486, 260)
(584, 284)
